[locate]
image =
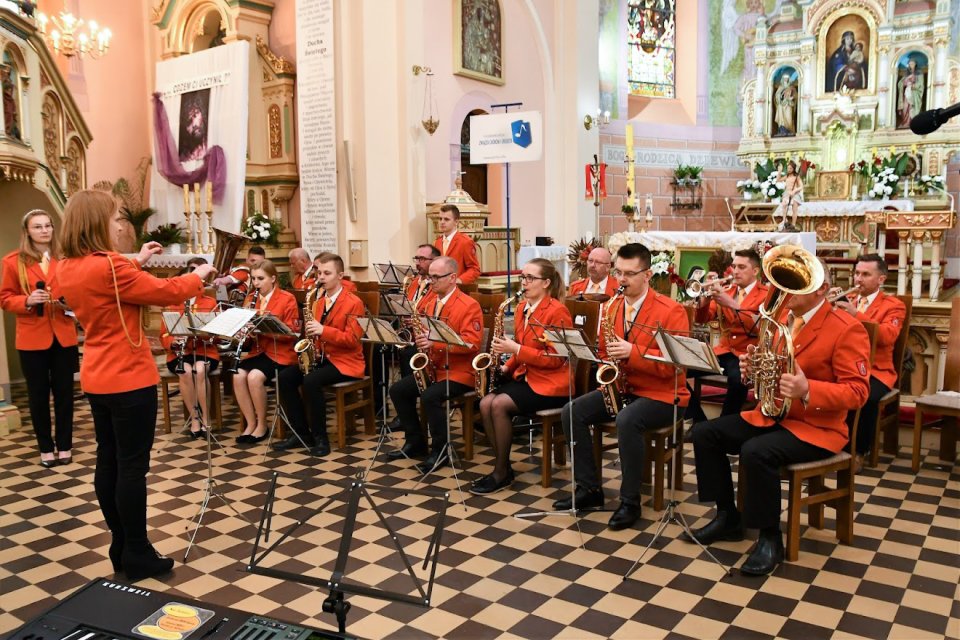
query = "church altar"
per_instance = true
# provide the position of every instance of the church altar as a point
(728, 240)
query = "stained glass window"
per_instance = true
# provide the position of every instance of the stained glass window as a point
(652, 42)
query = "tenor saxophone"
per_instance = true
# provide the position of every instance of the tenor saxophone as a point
(423, 372)
(608, 374)
(486, 365)
(305, 348)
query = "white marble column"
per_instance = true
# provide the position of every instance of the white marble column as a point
(807, 91)
(917, 283)
(883, 93)
(760, 99)
(942, 339)
(937, 239)
(902, 257)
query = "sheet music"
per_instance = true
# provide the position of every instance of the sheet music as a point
(570, 342)
(399, 305)
(176, 323)
(229, 322)
(271, 325)
(687, 352)
(392, 274)
(380, 331)
(441, 332)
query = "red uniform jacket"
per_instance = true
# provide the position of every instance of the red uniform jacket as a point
(300, 283)
(414, 286)
(580, 286)
(283, 305)
(889, 313)
(33, 332)
(464, 251)
(112, 363)
(340, 341)
(463, 314)
(737, 330)
(546, 375)
(833, 351)
(241, 274)
(193, 345)
(644, 377)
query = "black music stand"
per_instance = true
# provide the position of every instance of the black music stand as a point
(338, 586)
(679, 352)
(392, 275)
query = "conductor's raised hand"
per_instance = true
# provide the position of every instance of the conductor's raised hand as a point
(151, 248)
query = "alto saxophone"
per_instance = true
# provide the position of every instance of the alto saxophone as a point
(611, 383)
(486, 365)
(423, 372)
(305, 348)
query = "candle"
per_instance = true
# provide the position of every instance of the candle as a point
(196, 196)
(209, 196)
(631, 195)
(186, 198)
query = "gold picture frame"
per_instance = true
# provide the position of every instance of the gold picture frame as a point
(478, 40)
(834, 185)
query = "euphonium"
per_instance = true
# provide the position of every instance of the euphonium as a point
(608, 374)
(791, 270)
(306, 349)
(420, 361)
(486, 365)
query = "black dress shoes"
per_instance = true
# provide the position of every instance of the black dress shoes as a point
(765, 556)
(48, 464)
(408, 451)
(433, 460)
(293, 442)
(489, 484)
(321, 449)
(146, 564)
(624, 516)
(586, 499)
(725, 525)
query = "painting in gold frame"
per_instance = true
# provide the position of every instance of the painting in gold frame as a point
(834, 185)
(478, 40)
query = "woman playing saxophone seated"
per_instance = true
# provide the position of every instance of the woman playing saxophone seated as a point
(534, 379)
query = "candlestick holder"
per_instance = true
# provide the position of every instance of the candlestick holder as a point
(209, 247)
(189, 217)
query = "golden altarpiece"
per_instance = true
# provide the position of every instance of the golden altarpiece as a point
(837, 82)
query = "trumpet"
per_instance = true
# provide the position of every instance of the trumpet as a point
(835, 294)
(694, 288)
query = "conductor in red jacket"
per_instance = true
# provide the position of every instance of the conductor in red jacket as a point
(455, 244)
(46, 336)
(108, 293)
(339, 358)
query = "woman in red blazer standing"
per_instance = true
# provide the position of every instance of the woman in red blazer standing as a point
(534, 380)
(268, 355)
(196, 357)
(46, 336)
(107, 292)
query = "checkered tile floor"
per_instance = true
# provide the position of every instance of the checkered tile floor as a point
(498, 576)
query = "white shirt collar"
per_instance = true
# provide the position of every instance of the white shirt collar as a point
(530, 308)
(870, 298)
(812, 312)
(450, 237)
(747, 289)
(444, 299)
(334, 297)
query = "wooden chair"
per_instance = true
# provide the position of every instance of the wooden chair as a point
(467, 404)
(489, 303)
(888, 411)
(213, 384)
(357, 396)
(367, 286)
(818, 495)
(948, 407)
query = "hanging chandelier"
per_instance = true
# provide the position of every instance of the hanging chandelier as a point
(72, 36)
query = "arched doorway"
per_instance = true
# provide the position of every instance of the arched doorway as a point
(474, 175)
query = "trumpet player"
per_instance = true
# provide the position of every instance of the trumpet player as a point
(648, 386)
(832, 355)
(889, 313)
(598, 278)
(192, 359)
(737, 309)
(462, 314)
(337, 356)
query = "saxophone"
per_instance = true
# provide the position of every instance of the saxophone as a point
(486, 365)
(611, 383)
(305, 348)
(423, 372)
(791, 270)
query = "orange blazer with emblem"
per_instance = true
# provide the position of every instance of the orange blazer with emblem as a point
(580, 286)
(463, 314)
(889, 313)
(193, 345)
(738, 329)
(644, 377)
(413, 287)
(833, 351)
(300, 283)
(34, 333)
(112, 362)
(546, 375)
(283, 305)
(340, 340)
(464, 251)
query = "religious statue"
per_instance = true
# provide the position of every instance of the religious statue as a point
(792, 198)
(910, 89)
(10, 109)
(785, 104)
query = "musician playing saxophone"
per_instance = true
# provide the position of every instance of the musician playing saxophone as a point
(649, 386)
(338, 357)
(736, 307)
(832, 354)
(462, 314)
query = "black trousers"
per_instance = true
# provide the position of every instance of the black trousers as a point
(736, 391)
(404, 394)
(381, 370)
(313, 383)
(867, 429)
(638, 416)
(124, 424)
(45, 371)
(762, 451)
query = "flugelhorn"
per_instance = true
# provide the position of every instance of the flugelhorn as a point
(694, 288)
(835, 294)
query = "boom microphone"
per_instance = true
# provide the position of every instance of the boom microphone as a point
(42, 286)
(931, 120)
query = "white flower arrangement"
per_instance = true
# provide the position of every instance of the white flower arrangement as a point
(932, 183)
(884, 183)
(260, 228)
(748, 186)
(617, 240)
(660, 263)
(772, 187)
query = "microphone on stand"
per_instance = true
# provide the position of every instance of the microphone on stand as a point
(41, 285)
(932, 119)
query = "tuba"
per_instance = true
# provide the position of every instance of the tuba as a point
(228, 245)
(306, 349)
(791, 270)
(486, 366)
(608, 373)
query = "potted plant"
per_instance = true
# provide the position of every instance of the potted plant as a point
(168, 235)
(629, 210)
(693, 175)
(680, 175)
(932, 184)
(748, 188)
